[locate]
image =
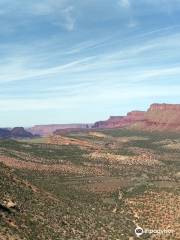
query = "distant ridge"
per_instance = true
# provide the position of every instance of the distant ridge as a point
(44, 130)
(17, 132)
(159, 117)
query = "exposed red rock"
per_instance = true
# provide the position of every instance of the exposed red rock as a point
(113, 121)
(161, 117)
(164, 107)
(116, 122)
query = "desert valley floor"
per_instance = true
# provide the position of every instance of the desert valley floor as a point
(90, 185)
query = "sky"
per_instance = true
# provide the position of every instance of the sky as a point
(79, 61)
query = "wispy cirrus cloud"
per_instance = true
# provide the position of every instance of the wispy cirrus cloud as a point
(66, 55)
(81, 60)
(124, 3)
(106, 95)
(59, 13)
(126, 6)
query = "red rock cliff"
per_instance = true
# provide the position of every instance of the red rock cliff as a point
(160, 117)
(121, 121)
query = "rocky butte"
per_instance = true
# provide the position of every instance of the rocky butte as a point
(17, 132)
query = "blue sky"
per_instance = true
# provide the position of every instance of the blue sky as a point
(64, 61)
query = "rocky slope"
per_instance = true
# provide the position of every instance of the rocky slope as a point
(26, 212)
(161, 117)
(97, 185)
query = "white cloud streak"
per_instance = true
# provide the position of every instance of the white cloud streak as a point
(59, 12)
(100, 96)
(124, 62)
(124, 3)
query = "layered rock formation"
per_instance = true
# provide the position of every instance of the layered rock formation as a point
(118, 122)
(161, 117)
(113, 121)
